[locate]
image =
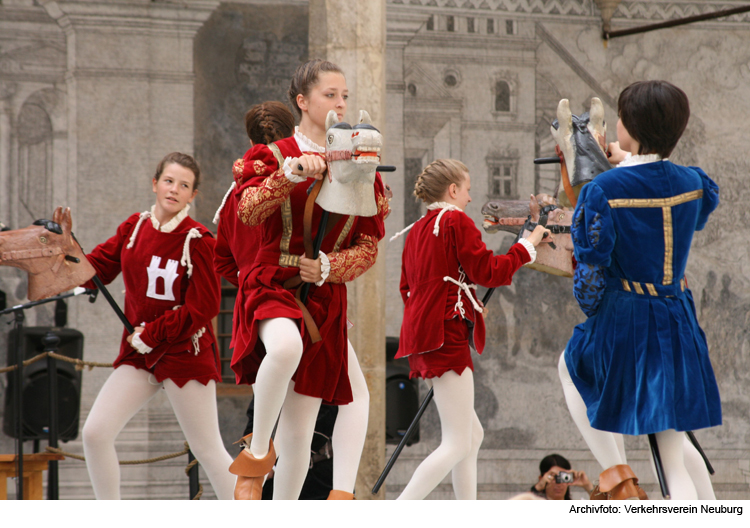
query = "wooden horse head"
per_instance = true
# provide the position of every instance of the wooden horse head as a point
(50, 255)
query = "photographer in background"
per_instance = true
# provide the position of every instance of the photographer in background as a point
(556, 477)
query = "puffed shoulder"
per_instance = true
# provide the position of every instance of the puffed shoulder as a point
(592, 229)
(710, 198)
(189, 223)
(257, 161)
(127, 226)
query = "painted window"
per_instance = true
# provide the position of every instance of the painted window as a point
(502, 96)
(224, 329)
(502, 178)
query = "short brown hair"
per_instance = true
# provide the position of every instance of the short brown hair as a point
(655, 114)
(437, 177)
(184, 160)
(268, 122)
(306, 76)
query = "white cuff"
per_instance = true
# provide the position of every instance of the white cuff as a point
(325, 268)
(530, 248)
(139, 345)
(288, 171)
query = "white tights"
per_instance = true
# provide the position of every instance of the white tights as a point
(124, 393)
(684, 469)
(350, 430)
(462, 436)
(274, 393)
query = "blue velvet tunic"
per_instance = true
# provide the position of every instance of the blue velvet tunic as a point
(640, 361)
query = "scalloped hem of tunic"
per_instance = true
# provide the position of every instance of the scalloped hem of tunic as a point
(180, 382)
(438, 372)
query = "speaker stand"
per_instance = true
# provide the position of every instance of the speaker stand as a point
(51, 343)
(18, 312)
(19, 318)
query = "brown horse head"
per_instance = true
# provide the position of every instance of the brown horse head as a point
(50, 255)
(511, 215)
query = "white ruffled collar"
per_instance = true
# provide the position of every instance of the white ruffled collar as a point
(640, 159)
(173, 223)
(306, 144)
(443, 205)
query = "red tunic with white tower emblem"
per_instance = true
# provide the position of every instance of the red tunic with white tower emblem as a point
(171, 286)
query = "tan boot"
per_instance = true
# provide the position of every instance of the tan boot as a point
(618, 483)
(340, 495)
(251, 471)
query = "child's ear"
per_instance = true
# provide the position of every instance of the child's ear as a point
(453, 190)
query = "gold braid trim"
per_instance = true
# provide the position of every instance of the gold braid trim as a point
(344, 232)
(258, 203)
(350, 263)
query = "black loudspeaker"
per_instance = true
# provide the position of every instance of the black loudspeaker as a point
(401, 396)
(35, 381)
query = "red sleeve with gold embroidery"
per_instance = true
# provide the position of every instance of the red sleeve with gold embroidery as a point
(258, 203)
(350, 263)
(267, 186)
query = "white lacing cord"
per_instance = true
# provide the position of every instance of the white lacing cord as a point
(144, 215)
(403, 231)
(185, 260)
(224, 201)
(431, 207)
(444, 207)
(467, 288)
(196, 336)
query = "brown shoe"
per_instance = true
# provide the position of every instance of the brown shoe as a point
(251, 471)
(618, 483)
(340, 495)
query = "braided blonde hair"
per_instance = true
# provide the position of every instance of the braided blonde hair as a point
(436, 177)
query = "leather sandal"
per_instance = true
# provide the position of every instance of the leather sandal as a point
(618, 483)
(251, 471)
(340, 495)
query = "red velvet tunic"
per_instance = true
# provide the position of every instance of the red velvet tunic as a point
(237, 246)
(159, 292)
(276, 205)
(435, 335)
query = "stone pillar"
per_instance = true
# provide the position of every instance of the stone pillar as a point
(351, 33)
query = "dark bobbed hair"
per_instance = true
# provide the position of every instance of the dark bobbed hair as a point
(655, 114)
(306, 76)
(184, 160)
(268, 122)
(555, 460)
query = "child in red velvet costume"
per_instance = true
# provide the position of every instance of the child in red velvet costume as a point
(277, 354)
(445, 259)
(172, 293)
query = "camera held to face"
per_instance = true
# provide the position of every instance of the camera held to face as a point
(564, 477)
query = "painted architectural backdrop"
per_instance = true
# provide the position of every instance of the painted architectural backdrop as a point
(94, 93)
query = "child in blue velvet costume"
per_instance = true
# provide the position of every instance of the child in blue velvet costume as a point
(640, 362)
